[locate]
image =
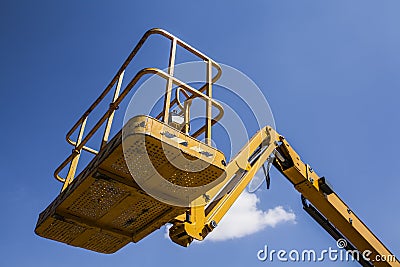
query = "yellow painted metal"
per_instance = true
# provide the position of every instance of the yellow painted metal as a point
(123, 94)
(227, 200)
(166, 151)
(76, 153)
(239, 173)
(171, 67)
(337, 212)
(109, 114)
(104, 208)
(185, 108)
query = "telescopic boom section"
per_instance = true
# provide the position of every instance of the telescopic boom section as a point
(326, 207)
(329, 210)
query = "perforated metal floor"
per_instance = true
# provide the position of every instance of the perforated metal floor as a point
(104, 209)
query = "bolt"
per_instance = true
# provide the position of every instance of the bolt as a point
(310, 169)
(213, 224)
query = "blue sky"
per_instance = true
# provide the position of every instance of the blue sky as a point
(329, 69)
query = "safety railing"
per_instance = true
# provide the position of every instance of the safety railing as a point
(205, 92)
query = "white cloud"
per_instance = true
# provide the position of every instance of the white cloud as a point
(245, 218)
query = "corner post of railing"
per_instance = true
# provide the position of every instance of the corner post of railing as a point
(110, 118)
(186, 109)
(75, 156)
(209, 104)
(171, 67)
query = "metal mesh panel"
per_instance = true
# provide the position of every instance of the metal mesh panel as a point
(105, 243)
(156, 157)
(100, 197)
(63, 231)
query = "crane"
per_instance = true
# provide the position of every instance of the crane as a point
(108, 205)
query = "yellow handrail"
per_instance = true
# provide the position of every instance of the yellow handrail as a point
(79, 145)
(125, 65)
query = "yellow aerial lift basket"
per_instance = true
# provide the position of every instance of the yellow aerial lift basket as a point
(103, 208)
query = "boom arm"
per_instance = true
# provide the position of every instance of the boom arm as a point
(326, 206)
